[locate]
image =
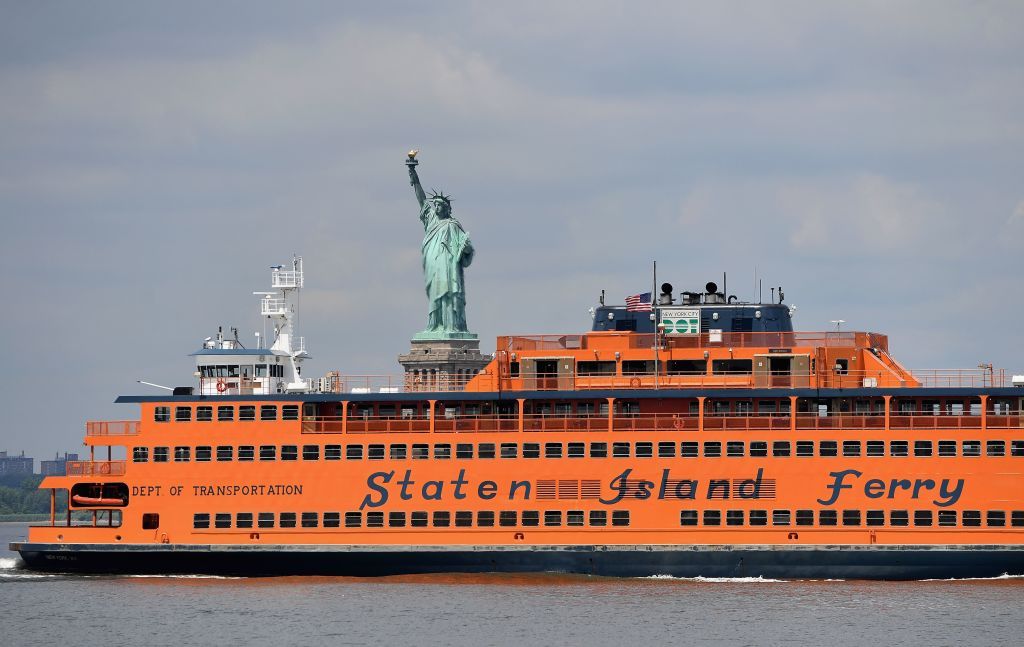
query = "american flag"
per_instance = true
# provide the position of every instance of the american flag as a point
(639, 302)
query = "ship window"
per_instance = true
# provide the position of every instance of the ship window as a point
(243, 520)
(418, 519)
(947, 448)
(922, 448)
(485, 450)
(758, 448)
(805, 517)
(644, 450)
(375, 452)
(898, 448)
(552, 450)
(842, 366)
(828, 448)
(781, 448)
(1016, 518)
(851, 517)
(758, 517)
(225, 414)
(201, 520)
(204, 414)
(744, 407)
(620, 450)
(574, 518)
(442, 519)
(971, 518)
(513, 369)
(620, 517)
(734, 517)
(595, 368)
(598, 518)
(712, 449)
(442, 451)
(290, 412)
(225, 452)
(805, 448)
(464, 450)
(485, 518)
(310, 452)
(827, 517)
(182, 454)
(150, 521)
(398, 452)
(712, 517)
(246, 412)
(780, 517)
(246, 452)
(577, 450)
(276, 370)
(530, 518)
(354, 452)
(922, 517)
(972, 448)
(353, 519)
(268, 452)
(552, 517)
(463, 518)
(874, 517)
(947, 517)
(396, 519)
(332, 519)
(531, 450)
(162, 414)
(289, 452)
(509, 450)
(204, 453)
(731, 366)
(1017, 448)
(140, 454)
(995, 448)
(584, 408)
(625, 325)
(265, 520)
(995, 518)
(637, 367)
(160, 454)
(222, 520)
(599, 450)
(687, 517)
(666, 449)
(899, 518)
(332, 452)
(851, 448)
(310, 520)
(875, 447)
(420, 451)
(734, 448)
(182, 414)
(268, 412)
(507, 518)
(687, 367)
(374, 520)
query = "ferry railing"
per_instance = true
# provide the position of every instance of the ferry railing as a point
(112, 428)
(95, 468)
(981, 377)
(853, 339)
(565, 422)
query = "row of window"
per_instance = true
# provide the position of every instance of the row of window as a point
(437, 519)
(897, 518)
(663, 449)
(226, 413)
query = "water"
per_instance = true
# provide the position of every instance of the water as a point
(498, 610)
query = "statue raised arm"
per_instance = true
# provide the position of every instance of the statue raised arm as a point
(414, 179)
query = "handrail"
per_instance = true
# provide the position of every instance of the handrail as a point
(112, 428)
(812, 339)
(95, 468)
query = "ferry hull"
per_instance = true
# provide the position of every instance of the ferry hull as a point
(782, 562)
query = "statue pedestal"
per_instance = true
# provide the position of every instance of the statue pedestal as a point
(442, 364)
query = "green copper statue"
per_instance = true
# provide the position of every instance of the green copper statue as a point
(446, 253)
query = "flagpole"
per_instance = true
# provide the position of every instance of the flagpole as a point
(654, 312)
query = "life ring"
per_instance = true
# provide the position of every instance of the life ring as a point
(634, 383)
(677, 422)
(104, 468)
(222, 386)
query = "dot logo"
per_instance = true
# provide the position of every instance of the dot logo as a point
(680, 322)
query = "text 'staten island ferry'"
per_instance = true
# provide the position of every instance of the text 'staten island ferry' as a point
(687, 434)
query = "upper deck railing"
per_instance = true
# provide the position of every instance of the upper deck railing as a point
(583, 341)
(95, 468)
(112, 428)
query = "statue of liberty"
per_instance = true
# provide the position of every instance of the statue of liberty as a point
(446, 251)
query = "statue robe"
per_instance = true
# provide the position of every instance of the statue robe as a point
(446, 251)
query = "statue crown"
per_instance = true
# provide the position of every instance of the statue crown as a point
(438, 195)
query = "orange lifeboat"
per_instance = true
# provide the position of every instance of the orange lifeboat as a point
(78, 499)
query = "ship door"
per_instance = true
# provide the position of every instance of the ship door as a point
(801, 371)
(547, 374)
(762, 378)
(780, 368)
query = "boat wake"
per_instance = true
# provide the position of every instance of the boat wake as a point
(1004, 576)
(716, 580)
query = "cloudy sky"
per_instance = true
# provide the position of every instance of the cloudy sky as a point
(156, 158)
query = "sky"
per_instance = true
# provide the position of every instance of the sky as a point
(157, 158)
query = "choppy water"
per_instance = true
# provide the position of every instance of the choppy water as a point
(498, 610)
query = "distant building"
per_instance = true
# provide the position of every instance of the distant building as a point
(58, 466)
(16, 464)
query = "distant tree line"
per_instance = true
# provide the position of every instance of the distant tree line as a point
(19, 494)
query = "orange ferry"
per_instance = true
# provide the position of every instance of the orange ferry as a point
(684, 435)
